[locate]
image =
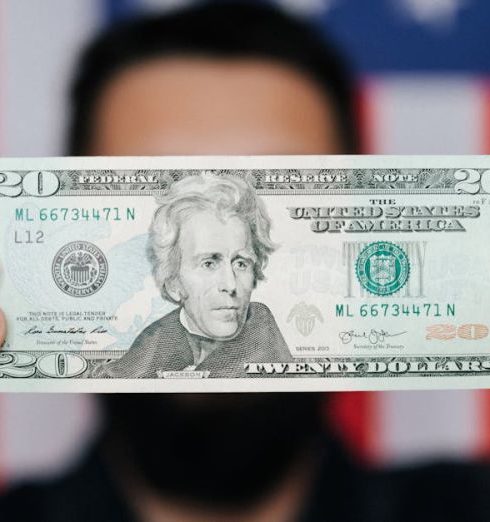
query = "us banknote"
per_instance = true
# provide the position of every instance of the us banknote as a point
(245, 273)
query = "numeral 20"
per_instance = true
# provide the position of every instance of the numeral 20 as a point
(470, 181)
(36, 183)
(445, 332)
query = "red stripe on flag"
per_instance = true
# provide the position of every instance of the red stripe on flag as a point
(482, 397)
(485, 89)
(482, 449)
(366, 117)
(355, 417)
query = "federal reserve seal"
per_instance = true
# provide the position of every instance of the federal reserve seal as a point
(382, 268)
(80, 269)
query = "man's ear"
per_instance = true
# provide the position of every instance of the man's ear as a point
(174, 290)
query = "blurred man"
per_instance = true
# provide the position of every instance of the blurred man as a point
(223, 79)
(216, 79)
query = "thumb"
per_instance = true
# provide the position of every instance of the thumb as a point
(3, 328)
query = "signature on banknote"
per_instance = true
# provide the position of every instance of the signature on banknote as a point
(71, 330)
(373, 336)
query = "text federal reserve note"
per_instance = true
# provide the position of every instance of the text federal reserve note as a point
(245, 274)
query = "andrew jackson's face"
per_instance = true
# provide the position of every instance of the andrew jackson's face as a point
(216, 276)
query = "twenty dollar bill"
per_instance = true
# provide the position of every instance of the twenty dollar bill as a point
(245, 274)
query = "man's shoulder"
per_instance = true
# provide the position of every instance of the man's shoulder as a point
(160, 346)
(260, 308)
(23, 504)
(168, 323)
(167, 331)
(431, 493)
(87, 493)
(262, 323)
(438, 492)
(260, 312)
(264, 336)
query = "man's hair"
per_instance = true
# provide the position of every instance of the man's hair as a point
(226, 197)
(231, 30)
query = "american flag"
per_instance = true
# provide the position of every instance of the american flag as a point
(423, 70)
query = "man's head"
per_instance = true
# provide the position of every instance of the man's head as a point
(209, 244)
(232, 78)
(216, 79)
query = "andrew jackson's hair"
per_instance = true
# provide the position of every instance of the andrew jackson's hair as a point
(227, 197)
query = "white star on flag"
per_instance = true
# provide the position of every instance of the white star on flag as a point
(436, 13)
(307, 7)
(167, 5)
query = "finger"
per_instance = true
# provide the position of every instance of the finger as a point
(3, 327)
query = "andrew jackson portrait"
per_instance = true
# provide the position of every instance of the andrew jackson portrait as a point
(209, 244)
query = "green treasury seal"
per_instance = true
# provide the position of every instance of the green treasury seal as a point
(382, 268)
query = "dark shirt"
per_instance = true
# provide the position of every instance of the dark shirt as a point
(343, 492)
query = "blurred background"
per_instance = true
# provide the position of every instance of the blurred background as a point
(423, 69)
